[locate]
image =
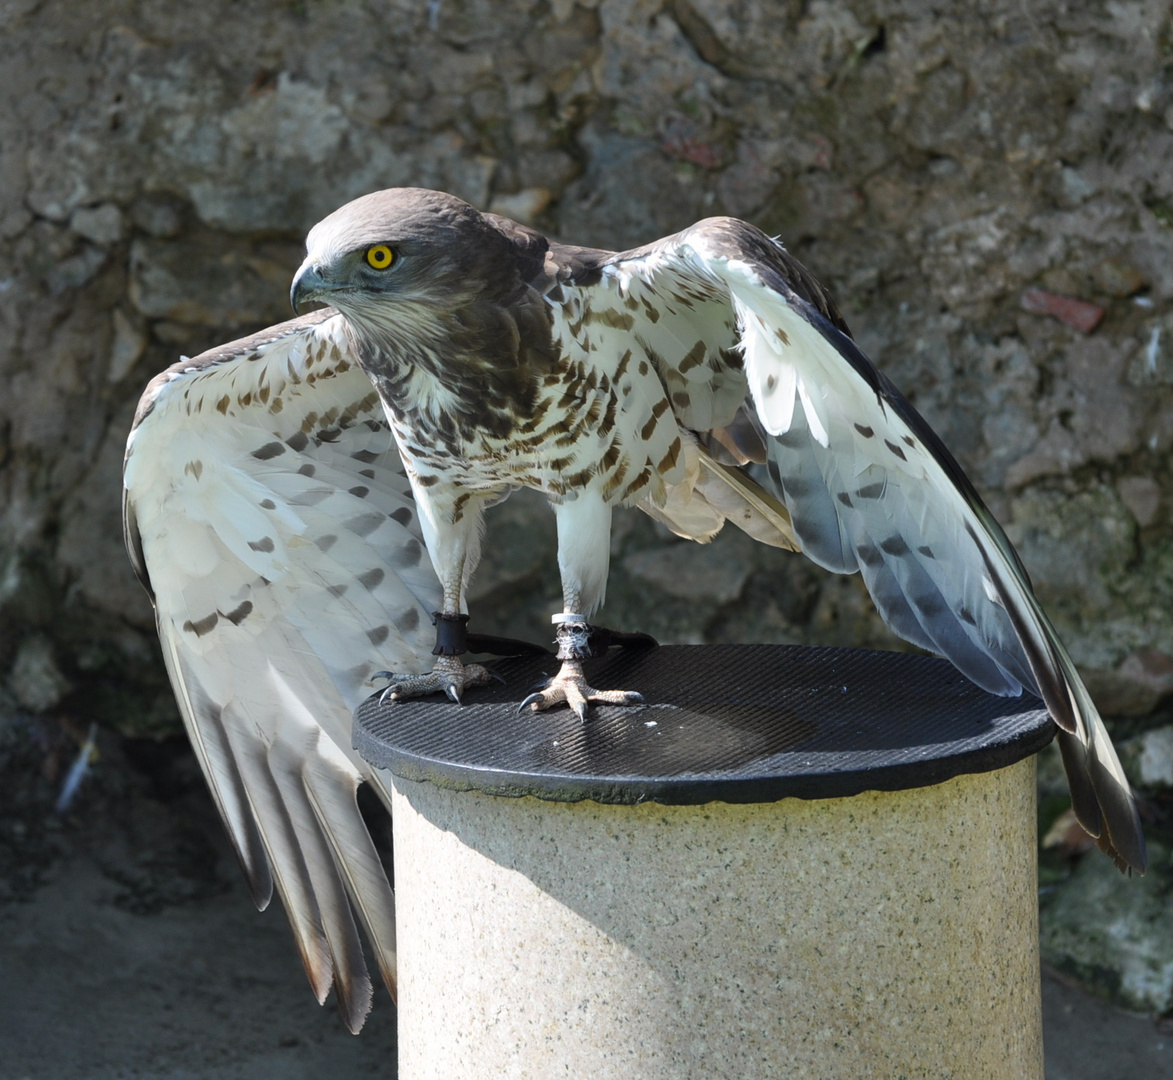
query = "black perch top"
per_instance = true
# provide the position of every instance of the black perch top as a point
(730, 723)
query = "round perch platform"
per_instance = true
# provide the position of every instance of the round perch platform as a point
(791, 862)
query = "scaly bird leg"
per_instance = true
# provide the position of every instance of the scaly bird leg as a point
(569, 686)
(584, 551)
(449, 674)
(453, 542)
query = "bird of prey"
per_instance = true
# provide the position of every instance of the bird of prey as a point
(305, 504)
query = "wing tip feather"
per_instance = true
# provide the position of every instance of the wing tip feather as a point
(1103, 805)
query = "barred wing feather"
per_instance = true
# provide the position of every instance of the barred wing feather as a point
(869, 486)
(268, 515)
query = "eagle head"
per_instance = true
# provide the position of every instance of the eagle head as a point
(399, 260)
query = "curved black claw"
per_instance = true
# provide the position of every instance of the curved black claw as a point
(395, 680)
(533, 699)
(535, 692)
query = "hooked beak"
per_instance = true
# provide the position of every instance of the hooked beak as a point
(308, 285)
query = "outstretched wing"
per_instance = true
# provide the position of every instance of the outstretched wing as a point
(758, 362)
(267, 513)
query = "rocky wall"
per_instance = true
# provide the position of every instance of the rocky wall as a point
(987, 188)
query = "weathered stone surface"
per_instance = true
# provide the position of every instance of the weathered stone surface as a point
(1149, 759)
(36, 681)
(157, 185)
(1114, 933)
(687, 571)
(160, 170)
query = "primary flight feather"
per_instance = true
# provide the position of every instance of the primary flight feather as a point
(281, 491)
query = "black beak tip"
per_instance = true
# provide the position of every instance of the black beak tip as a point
(297, 291)
(305, 289)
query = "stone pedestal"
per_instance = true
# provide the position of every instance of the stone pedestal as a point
(815, 863)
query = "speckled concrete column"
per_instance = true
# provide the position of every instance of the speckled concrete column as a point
(884, 935)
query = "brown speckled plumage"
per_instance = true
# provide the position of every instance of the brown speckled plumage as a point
(739, 355)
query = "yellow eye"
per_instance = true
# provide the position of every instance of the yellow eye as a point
(380, 256)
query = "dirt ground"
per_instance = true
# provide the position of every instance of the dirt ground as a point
(132, 950)
(129, 946)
